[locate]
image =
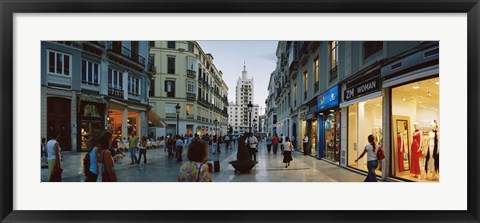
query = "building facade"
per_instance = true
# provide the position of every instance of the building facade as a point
(93, 85)
(186, 76)
(341, 92)
(239, 113)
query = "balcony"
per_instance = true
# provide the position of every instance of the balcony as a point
(190, 116)
(304, 50)
(151, 68)
(125, 56)
(191, 74)
(95, 47)
(191, 96)
(171, 115)
(115, 92)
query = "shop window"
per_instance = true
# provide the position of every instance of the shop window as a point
(415, 120)
(332, 135)
(364, 119)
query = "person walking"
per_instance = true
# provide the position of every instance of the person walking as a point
(53, 151)
(125, 144)
(234, 138)
(305, 145)
(133, 147)
(252, 142)
(179, 148)
(143, 150)
(170, 146)
(44, 151)
(275, 143)
(91, 174)
(195, 170)
(227, 142)
(372, 162)
(104, 157)
(269, 143)
(287, 152)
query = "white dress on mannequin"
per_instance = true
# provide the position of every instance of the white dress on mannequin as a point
(431, 146)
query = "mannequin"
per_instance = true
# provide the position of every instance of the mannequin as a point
(401, 152)
(432, 159)
(416, 152)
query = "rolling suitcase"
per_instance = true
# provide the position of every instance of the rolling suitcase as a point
(216, 166)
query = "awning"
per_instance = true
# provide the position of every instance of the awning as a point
(155, 119)
(94, 99)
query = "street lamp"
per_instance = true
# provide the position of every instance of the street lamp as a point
(178, 113)
(216, 122)
(255, 123)
(250, 107)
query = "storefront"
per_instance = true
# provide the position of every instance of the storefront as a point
(91, 118)
(124, 119)
(413, 96)
(311, 126)
(362, 109)
(329, 125)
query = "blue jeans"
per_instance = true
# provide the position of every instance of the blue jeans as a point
(371, 166)
(133, 154)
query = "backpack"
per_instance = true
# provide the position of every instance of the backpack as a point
(86, 163)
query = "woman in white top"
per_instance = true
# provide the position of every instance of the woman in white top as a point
(287, 152)
(371, 150)
(53, 151)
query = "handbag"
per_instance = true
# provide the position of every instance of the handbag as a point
(56, 174)
(380, 154)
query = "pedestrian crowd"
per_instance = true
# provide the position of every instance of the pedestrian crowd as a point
(103, 153)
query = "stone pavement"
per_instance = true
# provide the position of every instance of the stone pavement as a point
(269, 169)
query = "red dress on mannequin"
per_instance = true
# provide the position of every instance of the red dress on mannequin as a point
(415, 165)
(401, 152)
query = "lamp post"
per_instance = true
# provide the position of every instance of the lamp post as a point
(178, 114)
(216, 122)
(255, 124)
(250, 106)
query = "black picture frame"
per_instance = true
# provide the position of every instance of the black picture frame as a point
(10, 7)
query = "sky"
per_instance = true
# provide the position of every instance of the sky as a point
(259, 58)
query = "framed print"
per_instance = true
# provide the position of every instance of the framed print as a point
(99, 80)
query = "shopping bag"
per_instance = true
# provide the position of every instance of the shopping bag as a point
(56, 174)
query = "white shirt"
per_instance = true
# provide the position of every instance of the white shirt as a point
(370, 154)
(252, 141)
(305, 139)
(287, 146)
(51, 149)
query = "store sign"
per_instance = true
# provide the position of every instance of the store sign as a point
(363, 88)
(328, 99)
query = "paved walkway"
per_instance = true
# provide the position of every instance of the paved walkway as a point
(269, 169)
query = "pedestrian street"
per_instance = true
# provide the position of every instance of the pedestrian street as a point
(270, 168)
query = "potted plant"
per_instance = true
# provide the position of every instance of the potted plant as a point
(244, 162)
